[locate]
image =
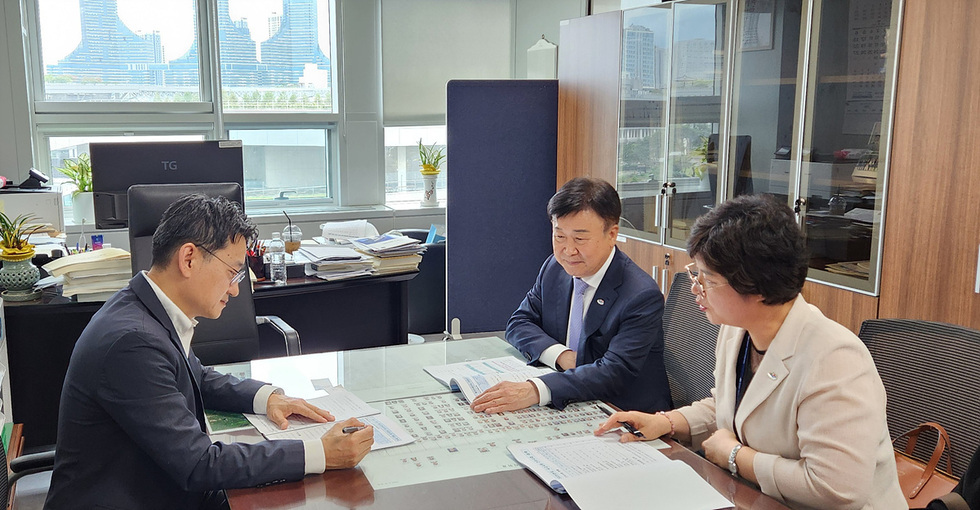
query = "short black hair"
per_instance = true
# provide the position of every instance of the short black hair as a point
(209, 222)
(587, 193)
(754, 242)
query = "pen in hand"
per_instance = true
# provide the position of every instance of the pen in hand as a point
(350, 430)
(626, 425)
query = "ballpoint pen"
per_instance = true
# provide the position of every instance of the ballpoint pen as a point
(626, 425)
(349, 430)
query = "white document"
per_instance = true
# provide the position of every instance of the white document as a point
(341, 403)
(387, 433)
(473, 385)
(328, 253)
(671, 484)
(446, 373)
(352, 229)
(555, 461)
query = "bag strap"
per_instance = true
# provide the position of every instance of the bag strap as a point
(942, 444)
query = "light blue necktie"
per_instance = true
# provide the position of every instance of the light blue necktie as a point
(575, 315)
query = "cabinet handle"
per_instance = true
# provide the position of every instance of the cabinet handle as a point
(656, 215)
(976, 286)
(653, 274)
(663, 277)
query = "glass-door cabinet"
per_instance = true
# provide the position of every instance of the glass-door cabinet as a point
(790, 98)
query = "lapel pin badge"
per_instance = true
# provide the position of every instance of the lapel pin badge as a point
(772, 375)
(600, 302)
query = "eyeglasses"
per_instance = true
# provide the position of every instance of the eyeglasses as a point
(240, 272)
(698, 280)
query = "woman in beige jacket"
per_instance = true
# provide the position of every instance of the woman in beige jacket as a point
(798, 407)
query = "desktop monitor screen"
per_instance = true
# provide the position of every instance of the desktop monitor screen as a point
(117, 166)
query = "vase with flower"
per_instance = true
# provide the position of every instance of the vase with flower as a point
(431, 159)
(18, 274)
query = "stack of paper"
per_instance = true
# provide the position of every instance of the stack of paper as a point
(474, 377)
(93, 275)
(342, 405)
(336, 262)
(388, 245)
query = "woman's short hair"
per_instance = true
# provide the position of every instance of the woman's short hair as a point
(587, 193)
(754, 242)
(209, 222)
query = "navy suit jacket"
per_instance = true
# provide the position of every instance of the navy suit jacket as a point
(621, 356)
(131, 428)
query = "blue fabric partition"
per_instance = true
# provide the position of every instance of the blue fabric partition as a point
(502, 138)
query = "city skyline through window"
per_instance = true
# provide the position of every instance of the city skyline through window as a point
(274, 54)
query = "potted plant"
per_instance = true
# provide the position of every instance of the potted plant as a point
(18, 274)
(431, 159)
(79, 171)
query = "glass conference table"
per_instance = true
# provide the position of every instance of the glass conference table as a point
(389, 378)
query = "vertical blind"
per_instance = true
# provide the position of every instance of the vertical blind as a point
(426, 43)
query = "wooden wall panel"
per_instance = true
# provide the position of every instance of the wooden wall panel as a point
(929, 260)
(588, 97)
(846, 307)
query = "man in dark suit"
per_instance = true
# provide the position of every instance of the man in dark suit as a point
(131, 428)
(592, 314)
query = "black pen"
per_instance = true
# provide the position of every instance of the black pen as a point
(349, 430)
(626, 425)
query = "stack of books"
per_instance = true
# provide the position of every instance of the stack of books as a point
(393, 253)
(93, 275)
(336, 262)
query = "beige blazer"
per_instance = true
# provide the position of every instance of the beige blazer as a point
(815, 412)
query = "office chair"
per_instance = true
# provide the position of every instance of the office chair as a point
(21, 467)
(689, 345)
(427, 291)
(234, 336)
(929, 370)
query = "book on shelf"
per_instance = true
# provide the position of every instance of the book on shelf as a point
(472, 378)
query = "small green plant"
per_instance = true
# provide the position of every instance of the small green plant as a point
(699, 168)
(14, 232)
(431, 157)
(79, 170)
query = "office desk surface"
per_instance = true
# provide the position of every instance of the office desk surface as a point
(381, 374)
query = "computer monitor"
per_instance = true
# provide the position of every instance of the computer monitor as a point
(117, 166)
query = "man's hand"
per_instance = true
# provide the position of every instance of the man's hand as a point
(280, 407)
(566, 360)
(506, 396)
(344, 451)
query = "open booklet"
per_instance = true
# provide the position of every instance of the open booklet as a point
(601, 472)
(342, 404)
(474, 377)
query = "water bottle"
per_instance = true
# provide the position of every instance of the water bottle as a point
(277, 259)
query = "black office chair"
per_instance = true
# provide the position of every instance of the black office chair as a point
(427, 291)
(21, 467)
(234, 336)
(929, 370)
(689, 345)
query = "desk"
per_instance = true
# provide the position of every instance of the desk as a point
(382, 374)
(337, 315)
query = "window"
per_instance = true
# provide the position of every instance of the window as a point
(128, 51)
(403, 180)
(130, 70)
(284, 164)
(275, 55)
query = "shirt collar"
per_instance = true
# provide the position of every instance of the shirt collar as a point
(182, 323)
(595, 279)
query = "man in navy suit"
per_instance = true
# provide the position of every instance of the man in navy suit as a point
(131, 428)
(592, 315)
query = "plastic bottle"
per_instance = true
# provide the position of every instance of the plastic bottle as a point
(277, 259)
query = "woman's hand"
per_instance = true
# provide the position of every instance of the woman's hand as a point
(651, 425)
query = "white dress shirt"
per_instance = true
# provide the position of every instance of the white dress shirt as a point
(316, 460)
(550, 355)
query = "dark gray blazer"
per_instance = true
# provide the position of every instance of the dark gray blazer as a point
(621, 358)
(131, 426)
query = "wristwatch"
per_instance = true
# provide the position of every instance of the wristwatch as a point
(731, 459)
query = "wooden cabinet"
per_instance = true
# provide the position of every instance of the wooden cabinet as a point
(932, 239)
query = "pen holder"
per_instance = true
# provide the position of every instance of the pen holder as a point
(257, 265)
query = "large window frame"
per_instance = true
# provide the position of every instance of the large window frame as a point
(206, 117)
